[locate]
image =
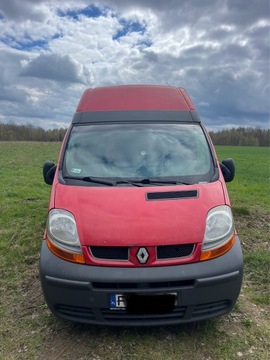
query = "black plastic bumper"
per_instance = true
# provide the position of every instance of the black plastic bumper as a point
(81, 293)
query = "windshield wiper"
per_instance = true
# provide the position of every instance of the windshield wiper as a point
(98, 180)
(134, 182)
(125, 181)
(108, 182)
(147, 181)
(92, 180)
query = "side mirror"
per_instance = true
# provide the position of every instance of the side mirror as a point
(228, 169)
(48, 172)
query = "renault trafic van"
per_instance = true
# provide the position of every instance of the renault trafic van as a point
(139, 229)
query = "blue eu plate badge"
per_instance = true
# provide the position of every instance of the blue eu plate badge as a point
(117, 301)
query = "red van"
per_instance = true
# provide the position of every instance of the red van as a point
(140, 229)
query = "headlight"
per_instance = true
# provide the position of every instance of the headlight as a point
(219, 232)
(63, 239)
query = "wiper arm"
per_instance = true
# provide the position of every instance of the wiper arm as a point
(163, 181)
(98, 181)
(91, 179)
(125, 181)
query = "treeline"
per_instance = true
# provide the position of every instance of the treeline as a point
(12, 132)
(241, 136)
(237, 136)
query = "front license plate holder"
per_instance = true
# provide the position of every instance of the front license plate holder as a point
(144, 303)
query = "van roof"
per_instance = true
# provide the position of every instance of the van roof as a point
(134, 98)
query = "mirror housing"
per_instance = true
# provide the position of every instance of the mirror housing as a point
(49, 168)
(228, 169)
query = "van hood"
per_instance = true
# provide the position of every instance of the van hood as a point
(124, 216)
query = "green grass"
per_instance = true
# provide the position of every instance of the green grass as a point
(29, 331)
(250, 197)
(251, 186)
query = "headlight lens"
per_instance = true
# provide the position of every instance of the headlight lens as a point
(219, 227)
(62, 230)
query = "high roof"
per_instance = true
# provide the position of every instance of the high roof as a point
(135, 97)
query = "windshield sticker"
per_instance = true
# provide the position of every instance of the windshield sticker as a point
(76, 171)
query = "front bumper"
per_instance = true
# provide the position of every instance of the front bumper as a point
(81, 292)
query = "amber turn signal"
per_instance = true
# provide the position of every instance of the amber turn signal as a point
(211, 254)
(65, 255)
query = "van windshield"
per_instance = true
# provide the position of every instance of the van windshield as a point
(139, 151)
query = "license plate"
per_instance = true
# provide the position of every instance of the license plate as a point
(144, 303)
(118, 301)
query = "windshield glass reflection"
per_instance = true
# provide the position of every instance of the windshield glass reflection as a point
(138, 151)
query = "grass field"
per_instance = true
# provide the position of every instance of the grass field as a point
(29, 331)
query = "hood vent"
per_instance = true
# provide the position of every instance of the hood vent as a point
(172, 195)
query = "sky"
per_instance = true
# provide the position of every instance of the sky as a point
(51, 51)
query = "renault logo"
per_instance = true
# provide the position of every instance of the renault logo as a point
(142, 255)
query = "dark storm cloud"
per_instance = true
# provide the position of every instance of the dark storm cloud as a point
(53, 67)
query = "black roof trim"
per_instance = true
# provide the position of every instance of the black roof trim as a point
(135, 115)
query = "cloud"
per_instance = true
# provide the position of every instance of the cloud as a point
(20, 10)
(50, 51)
(57, 68)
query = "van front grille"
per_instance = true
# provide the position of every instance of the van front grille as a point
(174, 251)
(110, 252)
(121, 253)
(180, 313)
